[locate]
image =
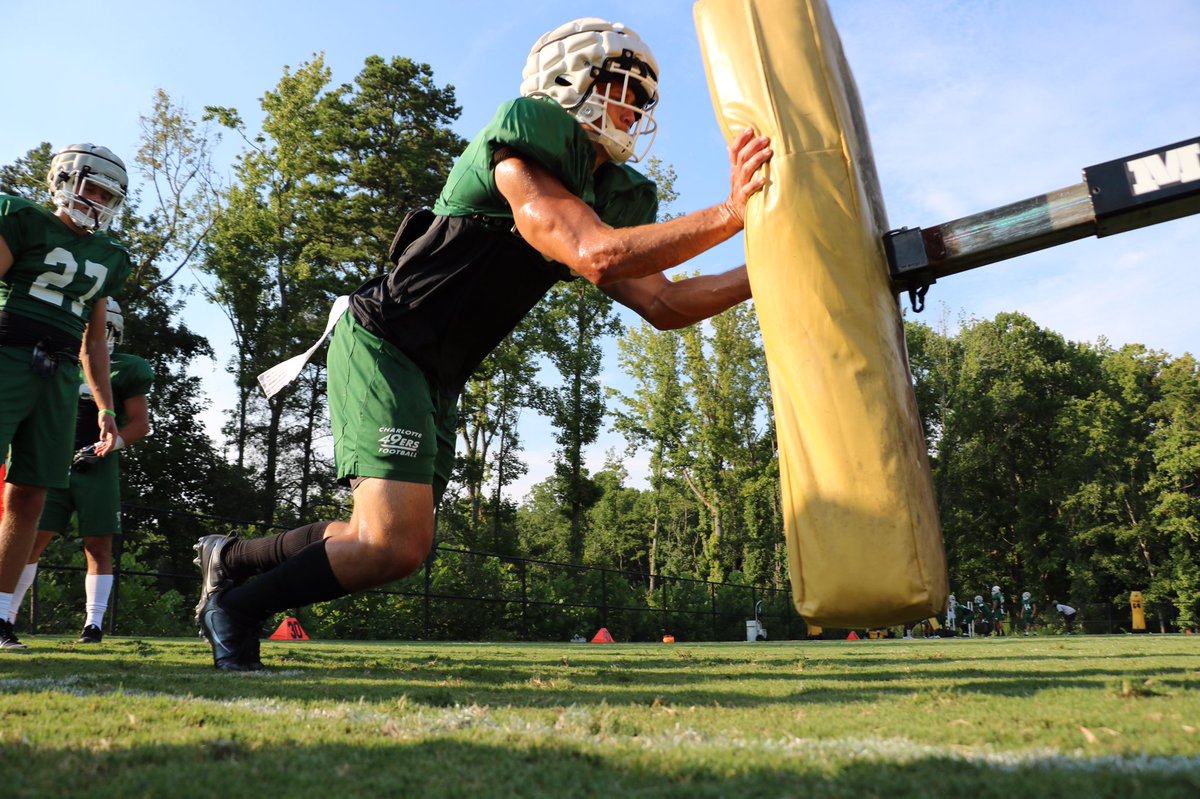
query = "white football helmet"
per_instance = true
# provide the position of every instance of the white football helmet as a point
(565, 65)
(77, 165)
(995, 589)
(978, 599)
(114, 328)
(1026, 595)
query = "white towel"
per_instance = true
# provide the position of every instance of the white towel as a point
(278, 376)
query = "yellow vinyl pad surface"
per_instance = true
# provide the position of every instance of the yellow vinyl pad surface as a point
(864, 540)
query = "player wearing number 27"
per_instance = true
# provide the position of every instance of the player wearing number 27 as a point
(57, 269)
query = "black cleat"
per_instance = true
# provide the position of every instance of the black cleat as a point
(8, 637)
(234, 641)
(91, 635)
(212, 572)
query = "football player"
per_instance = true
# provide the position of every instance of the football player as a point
(1029, 612)
(997, 611)
(57, 269)
(544, 193)
(965, 616)
(94, 495)
(985, 615)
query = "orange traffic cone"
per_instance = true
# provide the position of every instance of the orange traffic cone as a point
(853, 636)
(289, 630)
(603, 637)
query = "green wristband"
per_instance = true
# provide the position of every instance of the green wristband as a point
(113, 414)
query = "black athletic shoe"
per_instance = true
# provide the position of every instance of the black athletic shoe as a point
(91, 635)
(234, 641)
(8, 637)
(212, 572)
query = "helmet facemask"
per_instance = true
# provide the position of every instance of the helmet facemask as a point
(78, 168)
(566, 65)
(617, 79)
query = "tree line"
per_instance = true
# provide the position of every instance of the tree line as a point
(1062, 468)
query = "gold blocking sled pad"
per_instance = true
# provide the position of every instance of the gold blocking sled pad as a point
(864, 539)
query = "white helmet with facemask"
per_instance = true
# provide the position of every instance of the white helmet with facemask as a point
(114, 328)
(565, 65)
(72, 169)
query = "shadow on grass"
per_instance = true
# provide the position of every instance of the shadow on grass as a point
(443, 768)
(440, 677)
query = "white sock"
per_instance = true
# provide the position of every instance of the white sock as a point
(98, 587)
(5, 605)
(18, 594)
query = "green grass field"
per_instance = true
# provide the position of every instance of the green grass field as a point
(1087, 716)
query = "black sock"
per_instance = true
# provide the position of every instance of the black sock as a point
(243, 559)
(300, 580)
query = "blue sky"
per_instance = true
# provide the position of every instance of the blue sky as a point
(970, 105)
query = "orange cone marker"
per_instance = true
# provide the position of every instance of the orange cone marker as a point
(603, 637)
(289, 630)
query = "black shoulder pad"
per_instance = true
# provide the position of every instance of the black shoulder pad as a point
(415, 224)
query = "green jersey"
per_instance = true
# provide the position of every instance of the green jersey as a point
(997, 607)
(131, 376)
(56, 275)
(464, 279)
(542, 131)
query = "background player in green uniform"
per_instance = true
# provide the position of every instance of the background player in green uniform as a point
(984, 613)
(56, 270)
(965, 616)
(542, 194)
(94, 495)
(1029, 613)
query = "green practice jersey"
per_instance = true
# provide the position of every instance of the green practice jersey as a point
(132, 376)
(465, 281)
(542, 131)
(56, 276)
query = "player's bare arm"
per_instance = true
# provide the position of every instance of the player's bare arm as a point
(563, 228)
(96, 369)
(137, 415)
(6, 257)
(669, 305)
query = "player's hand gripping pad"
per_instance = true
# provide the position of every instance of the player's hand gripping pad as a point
(864, 540)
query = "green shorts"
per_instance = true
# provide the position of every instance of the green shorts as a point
(37, 417)
(386, 421)
(93, 496)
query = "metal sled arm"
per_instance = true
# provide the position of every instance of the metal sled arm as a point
(1125, 194)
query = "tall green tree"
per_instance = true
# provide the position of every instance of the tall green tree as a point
(489, 411)
(267, 254)
(652, 417)
(318, 193)
(998, 472)
(1175, 483)
(573, 321)
(390, 142)
(725, 373)
(26, 177)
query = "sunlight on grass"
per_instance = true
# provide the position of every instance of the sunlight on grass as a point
(1087, 716)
